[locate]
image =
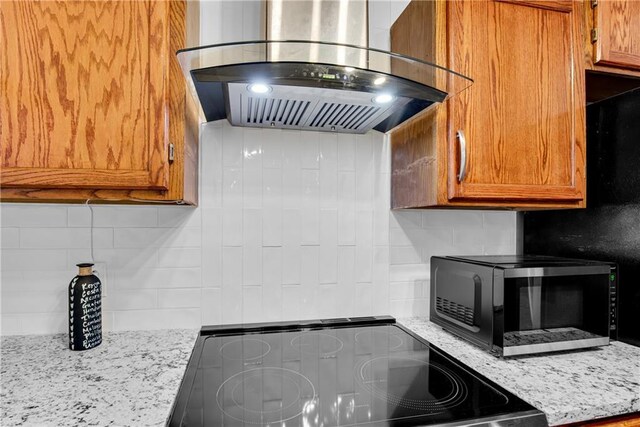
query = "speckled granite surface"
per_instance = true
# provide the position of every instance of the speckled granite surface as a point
(131, 379)
(568, 387)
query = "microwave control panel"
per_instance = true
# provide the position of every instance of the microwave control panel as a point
(613, 295)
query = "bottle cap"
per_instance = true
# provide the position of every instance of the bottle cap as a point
(85, 269)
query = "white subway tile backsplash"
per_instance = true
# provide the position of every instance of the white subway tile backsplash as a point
(137, 299)
(405, 255)
(252, 188)
(292, 307)
(309, 265)
(157, 278)
(134, 216)
(252, 306)
(364, 300)
(232, 231)
(346, 208)
(11, 324)
(29, 215)
(272, 149)
(329, 171)
(326, 296)
(156, 237)
(305, 249)
(291, 188)
(179, 217)
(34, 302)
(232, 147)
(210, 303)
(10, 237)
(291, 260)
(44, 323)
(291, 149)
(291, 225)
(232, 188)
(185, 318)
(36, 238)
(179, 257)
(440, 218)
(310, 208)
(211, 177)
(179, 298)
(408, 272)
(272, 227)
(252, 265)
(34, 259)
(310, 150)
(346, 152)
(252, 227)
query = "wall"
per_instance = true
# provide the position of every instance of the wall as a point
(290, 225)
(608, 228)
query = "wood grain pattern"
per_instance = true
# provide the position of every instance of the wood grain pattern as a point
(629, 420)
(618, 43)
(170, 34)
(84, 93)
(524, 117)
(520, 115)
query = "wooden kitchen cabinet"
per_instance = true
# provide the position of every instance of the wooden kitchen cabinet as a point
(616, 41)
(612, 47)
(93, 101)
(520, 126)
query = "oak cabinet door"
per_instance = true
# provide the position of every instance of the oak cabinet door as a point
(84, 94)
(518, 132)
(618, 24)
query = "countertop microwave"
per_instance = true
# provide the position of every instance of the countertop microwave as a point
(515, 305)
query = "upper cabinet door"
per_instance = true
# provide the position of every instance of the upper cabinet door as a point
(618, 24)
(84, 94)
(518, 132)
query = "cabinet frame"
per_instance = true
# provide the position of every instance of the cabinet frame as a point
(176, 26)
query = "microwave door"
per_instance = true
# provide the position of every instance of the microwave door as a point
(535, 304)
(551, 313)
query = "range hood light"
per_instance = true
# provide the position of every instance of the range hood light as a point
(349, 69)
(383, 98)
(259, 88)
(379, 81)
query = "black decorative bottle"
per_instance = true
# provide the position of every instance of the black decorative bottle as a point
(85, 309)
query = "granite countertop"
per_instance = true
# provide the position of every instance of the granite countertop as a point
(131, 378)
(568, 387)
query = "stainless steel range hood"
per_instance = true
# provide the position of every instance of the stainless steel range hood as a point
(335, 85)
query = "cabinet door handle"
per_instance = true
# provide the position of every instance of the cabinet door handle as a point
(463, 155)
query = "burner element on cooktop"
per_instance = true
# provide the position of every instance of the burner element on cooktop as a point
(334, 373)
(317, 344)
(266, 395)
(391, 341)
(245, 349)
(440, 388)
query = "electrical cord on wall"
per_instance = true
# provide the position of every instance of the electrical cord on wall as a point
(88, 204)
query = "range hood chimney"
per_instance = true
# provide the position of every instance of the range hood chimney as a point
(314, 71)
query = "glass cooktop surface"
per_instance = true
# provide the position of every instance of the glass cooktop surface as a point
(370, 375)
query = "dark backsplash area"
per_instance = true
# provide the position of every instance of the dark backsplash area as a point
(609, 229)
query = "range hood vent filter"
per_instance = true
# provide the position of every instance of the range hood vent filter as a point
(293, 107)
(307, 85)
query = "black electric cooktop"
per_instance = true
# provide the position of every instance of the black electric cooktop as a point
(336, 372)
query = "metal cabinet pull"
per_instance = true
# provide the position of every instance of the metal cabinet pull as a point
(463, 155)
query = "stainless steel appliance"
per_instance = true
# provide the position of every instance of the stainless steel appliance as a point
(608, 227)
(356, 371)
(523, 304)
(314, 71)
